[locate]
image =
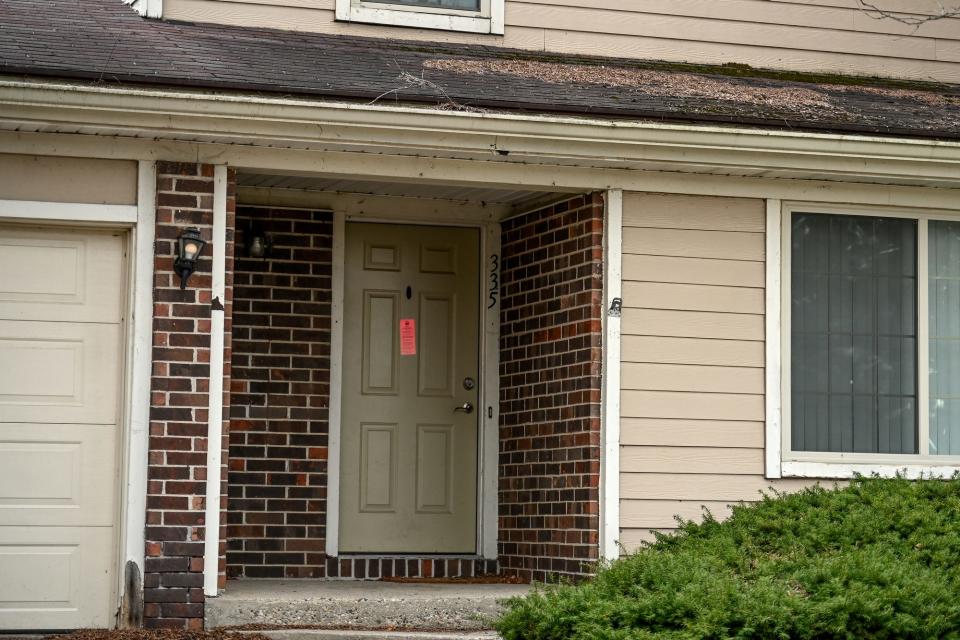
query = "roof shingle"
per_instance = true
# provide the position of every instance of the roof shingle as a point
(105, 41)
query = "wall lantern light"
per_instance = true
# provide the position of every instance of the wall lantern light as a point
(189, 247)
(257, 243)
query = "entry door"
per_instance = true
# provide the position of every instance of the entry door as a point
(410, 372)
(60, 368)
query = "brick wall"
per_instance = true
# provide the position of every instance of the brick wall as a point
(550, 358)
(550, 401)
(281, 388)
(173, 571)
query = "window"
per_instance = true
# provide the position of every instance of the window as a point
(474, 16)
(870, 339)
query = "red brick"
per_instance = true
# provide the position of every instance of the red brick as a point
(178, 412)
(550, 306)
(268, 367)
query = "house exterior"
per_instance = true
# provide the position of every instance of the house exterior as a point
(482, 288)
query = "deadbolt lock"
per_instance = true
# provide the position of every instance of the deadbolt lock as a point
(469, 384)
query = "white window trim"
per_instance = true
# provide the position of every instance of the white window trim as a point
(780, 461)
(489, 20)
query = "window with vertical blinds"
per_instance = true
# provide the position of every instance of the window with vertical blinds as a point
(864, 291)
(944, 312)
(854, 334)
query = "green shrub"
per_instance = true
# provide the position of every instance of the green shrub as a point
(877, 559)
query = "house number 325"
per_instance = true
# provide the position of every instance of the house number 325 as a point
(494, 289)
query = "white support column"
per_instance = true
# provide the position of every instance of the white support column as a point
(610, 378)
(336, 374)
(773, 444)
(490, 295)
(211, 549)
(141, 362)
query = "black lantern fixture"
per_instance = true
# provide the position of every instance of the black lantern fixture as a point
(257, 243)
(189, 247)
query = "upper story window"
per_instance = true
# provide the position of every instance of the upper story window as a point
(473, 16)
(871, 340)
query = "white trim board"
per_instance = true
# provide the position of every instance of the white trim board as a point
(557, 178)
(489, 418)
(610, 379)
(211, 546)
(125, 214)
(772, 314)
(336, 375)
(141, 358)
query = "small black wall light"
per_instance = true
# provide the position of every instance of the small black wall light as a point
(257, 243)
(189, 247)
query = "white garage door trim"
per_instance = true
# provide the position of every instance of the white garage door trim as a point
(124, 214)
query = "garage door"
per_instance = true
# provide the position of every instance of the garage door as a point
(60, 371)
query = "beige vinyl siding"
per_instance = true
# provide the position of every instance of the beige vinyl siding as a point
(832, 36)
(692, 351)
(61, 179)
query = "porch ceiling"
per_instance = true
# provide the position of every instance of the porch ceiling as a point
(370, 197)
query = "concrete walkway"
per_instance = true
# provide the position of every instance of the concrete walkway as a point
(359, 604)
(318, 634)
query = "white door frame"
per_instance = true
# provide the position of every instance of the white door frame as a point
(134, 412)
(488, 416)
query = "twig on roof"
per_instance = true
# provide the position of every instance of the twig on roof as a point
(411, 81)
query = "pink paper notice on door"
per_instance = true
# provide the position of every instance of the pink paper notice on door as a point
(408, 337)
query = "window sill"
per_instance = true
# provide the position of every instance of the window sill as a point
(421, 20)
(844, 470)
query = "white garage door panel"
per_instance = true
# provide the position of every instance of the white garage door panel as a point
(60, 275)
(59, 372)
(61, 358)
(57, 474)
(55, 577)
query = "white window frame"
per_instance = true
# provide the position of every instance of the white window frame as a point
(781, 461)
(489, 20)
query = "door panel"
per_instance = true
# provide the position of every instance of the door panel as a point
(59, 276)
(436, 364)
(435, 477)
(60, 370)
(408, 460)
(55, 577)
(378, 467)
(380, 356)
(56, 474)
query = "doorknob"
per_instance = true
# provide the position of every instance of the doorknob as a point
(466, 407)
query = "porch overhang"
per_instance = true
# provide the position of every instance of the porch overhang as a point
(497, 150)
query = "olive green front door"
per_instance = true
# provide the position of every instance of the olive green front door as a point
(408, 481)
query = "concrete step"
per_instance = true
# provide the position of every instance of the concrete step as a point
(359, 604)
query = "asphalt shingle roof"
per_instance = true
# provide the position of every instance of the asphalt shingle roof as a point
(107, 42)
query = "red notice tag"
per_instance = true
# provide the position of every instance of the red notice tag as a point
(408, 337)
